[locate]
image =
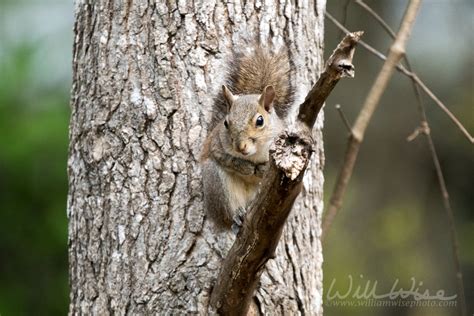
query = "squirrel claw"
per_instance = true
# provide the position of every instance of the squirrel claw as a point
(238, 220)
(235, 228)
(261, 169)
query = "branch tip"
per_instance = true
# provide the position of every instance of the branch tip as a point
(340, 60)
(339, 65)
(344, 118)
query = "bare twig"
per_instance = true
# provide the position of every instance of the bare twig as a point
(397, 51)
(377, 17)
(344, 118)
(424, 128)
(413, 76)
(263, 223)
(439, 103)
(344, 18)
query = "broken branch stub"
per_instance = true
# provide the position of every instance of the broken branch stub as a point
(339, 65)
(290, 152)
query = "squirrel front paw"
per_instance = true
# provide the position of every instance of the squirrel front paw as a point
(246, 168)
(238, 220)
(261, 169)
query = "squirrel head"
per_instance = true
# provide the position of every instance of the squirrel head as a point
(249, 121)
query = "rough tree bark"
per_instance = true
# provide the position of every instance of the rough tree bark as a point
(144, 77)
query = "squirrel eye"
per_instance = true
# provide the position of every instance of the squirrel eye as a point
(259, 122)
(226, 124)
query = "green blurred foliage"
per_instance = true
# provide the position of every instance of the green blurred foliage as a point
(33, 188)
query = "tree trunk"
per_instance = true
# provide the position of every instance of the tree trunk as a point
(144, 78)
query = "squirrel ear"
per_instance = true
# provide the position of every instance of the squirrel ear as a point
(228, 96)
(267, 97)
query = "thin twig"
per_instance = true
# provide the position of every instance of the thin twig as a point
(344, 18)
(395, 54)
(379, 19)
(424, 128)
(439, 103)
(344, 118)
(411, 75)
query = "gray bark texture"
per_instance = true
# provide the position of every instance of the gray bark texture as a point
(144, 77)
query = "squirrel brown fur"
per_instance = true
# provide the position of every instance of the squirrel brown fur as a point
(248, 113)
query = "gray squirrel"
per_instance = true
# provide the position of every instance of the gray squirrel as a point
(248, 113)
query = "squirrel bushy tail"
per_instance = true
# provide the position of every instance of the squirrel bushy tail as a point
(250, 72)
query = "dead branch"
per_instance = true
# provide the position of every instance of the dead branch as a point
(339, 65)
(424, 128)
(396, 52)
(264, 221)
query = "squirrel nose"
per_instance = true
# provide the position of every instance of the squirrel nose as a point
(243, 148)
